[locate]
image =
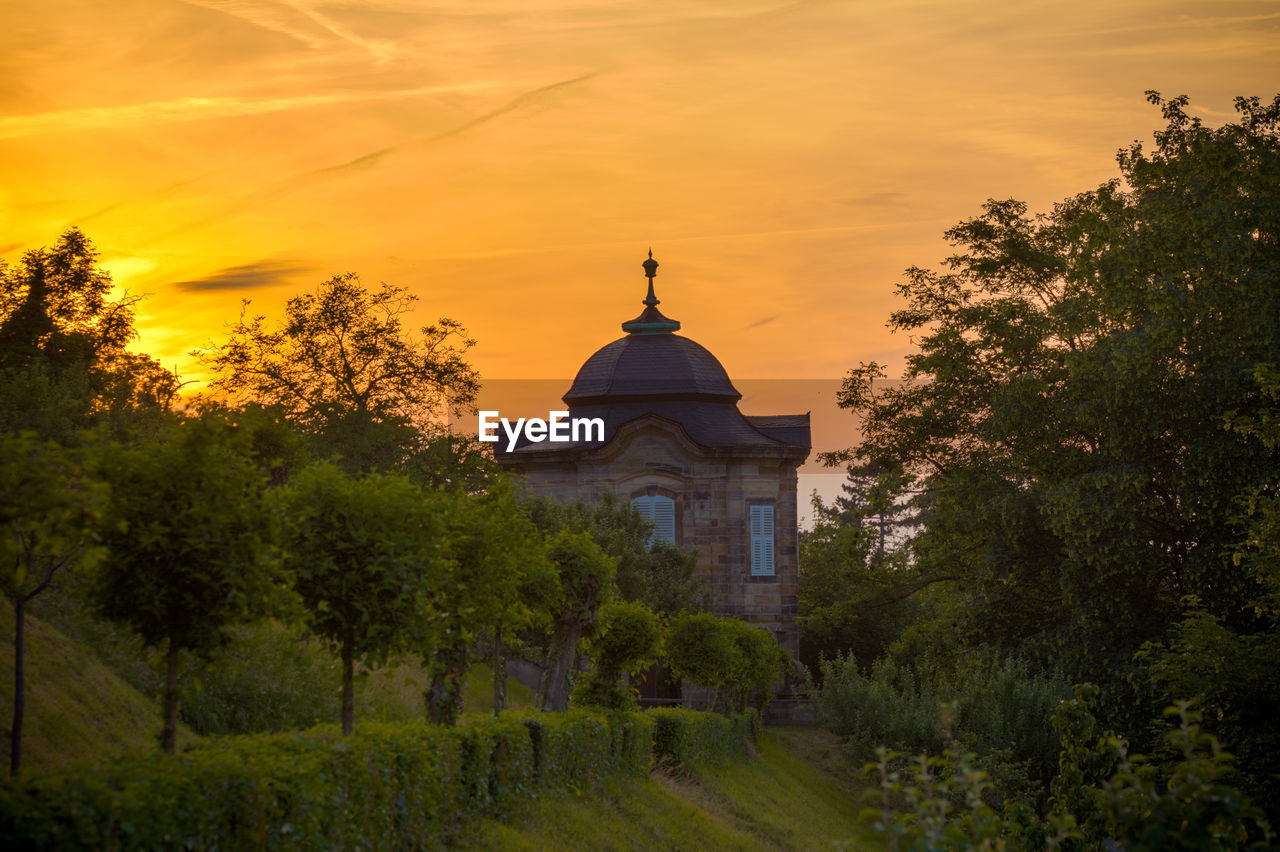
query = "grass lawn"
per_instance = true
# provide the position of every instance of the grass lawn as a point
(797, 792)
(78, 709)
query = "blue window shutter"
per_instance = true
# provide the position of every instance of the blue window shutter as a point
(761, 518)
(662, 512)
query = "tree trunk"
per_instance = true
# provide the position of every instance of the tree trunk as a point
(19, 687)
(499, 673)
(169, 736)
(557, 674)
(444, 696)
(348, 689)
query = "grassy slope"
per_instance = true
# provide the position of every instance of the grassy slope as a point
(77, 708)
(796, 793)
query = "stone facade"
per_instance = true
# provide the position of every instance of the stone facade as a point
(712, 490)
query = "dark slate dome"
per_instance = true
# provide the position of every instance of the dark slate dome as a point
(651, 362)
(653, 372)
(651, 365)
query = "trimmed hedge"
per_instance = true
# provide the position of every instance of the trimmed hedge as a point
(407, 785)
(684, 737)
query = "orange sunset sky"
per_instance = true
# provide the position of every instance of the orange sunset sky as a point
(510, 162)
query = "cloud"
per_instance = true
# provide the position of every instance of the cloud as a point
(364, 161)
(764, 321)
(524, 99)
(199, 109)
(250, 276)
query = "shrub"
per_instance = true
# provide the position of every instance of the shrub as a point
(266, 679)
(684, 737)
(700, 651)
(935, 803)
(572, 750)
(729, 657)
(1002, 712)
(397, 785)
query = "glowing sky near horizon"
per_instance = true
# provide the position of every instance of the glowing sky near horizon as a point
(511, 162)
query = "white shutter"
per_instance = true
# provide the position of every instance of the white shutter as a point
(761, 518)
(662, 512)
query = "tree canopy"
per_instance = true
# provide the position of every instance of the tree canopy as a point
(365, 554)
(63, 361)
(1066, 410)
(342, 366)
(49, 513)
(192, 550)
(658, 574)
(497, 571)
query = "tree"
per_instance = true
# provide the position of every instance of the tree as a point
(191, 548)
(365, 553)
(853, 598)
(63, 362)
(49, 511)
(497, 567)
(658, 574)
(343, 367)
(626, 643)
(700, 650)
(758, 665)
(1065, 411)
(584, 581)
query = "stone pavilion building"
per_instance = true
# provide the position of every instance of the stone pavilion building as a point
(675, 444)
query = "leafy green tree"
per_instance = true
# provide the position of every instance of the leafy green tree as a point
(365, 553)
(731, 659)
(497, 566)
(627, 642)
(49, 511)
(1064, 414)
(659, 574)
(584, 582)
(191, 548)
(758, 664)
(1226, 666)
(63, 362)
(852, 597)
(344, 369)
(700, 651)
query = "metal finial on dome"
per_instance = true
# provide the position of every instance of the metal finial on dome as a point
(651, 320)
(650, 270)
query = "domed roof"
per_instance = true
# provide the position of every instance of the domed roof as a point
(654, 375)
(651, 362)
(651, 365)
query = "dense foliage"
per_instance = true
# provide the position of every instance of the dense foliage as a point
(49, 513)
(583, 582)
(497, 573)
(733, 664)
(1103, 794)
(405, 786)
(998, 709)
(628, 641)
(63, 361)
(1086, 432)
(191, 548)
(343, 368)
(365, 553)
(657, 574)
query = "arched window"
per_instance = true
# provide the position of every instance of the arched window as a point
(662, 511)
